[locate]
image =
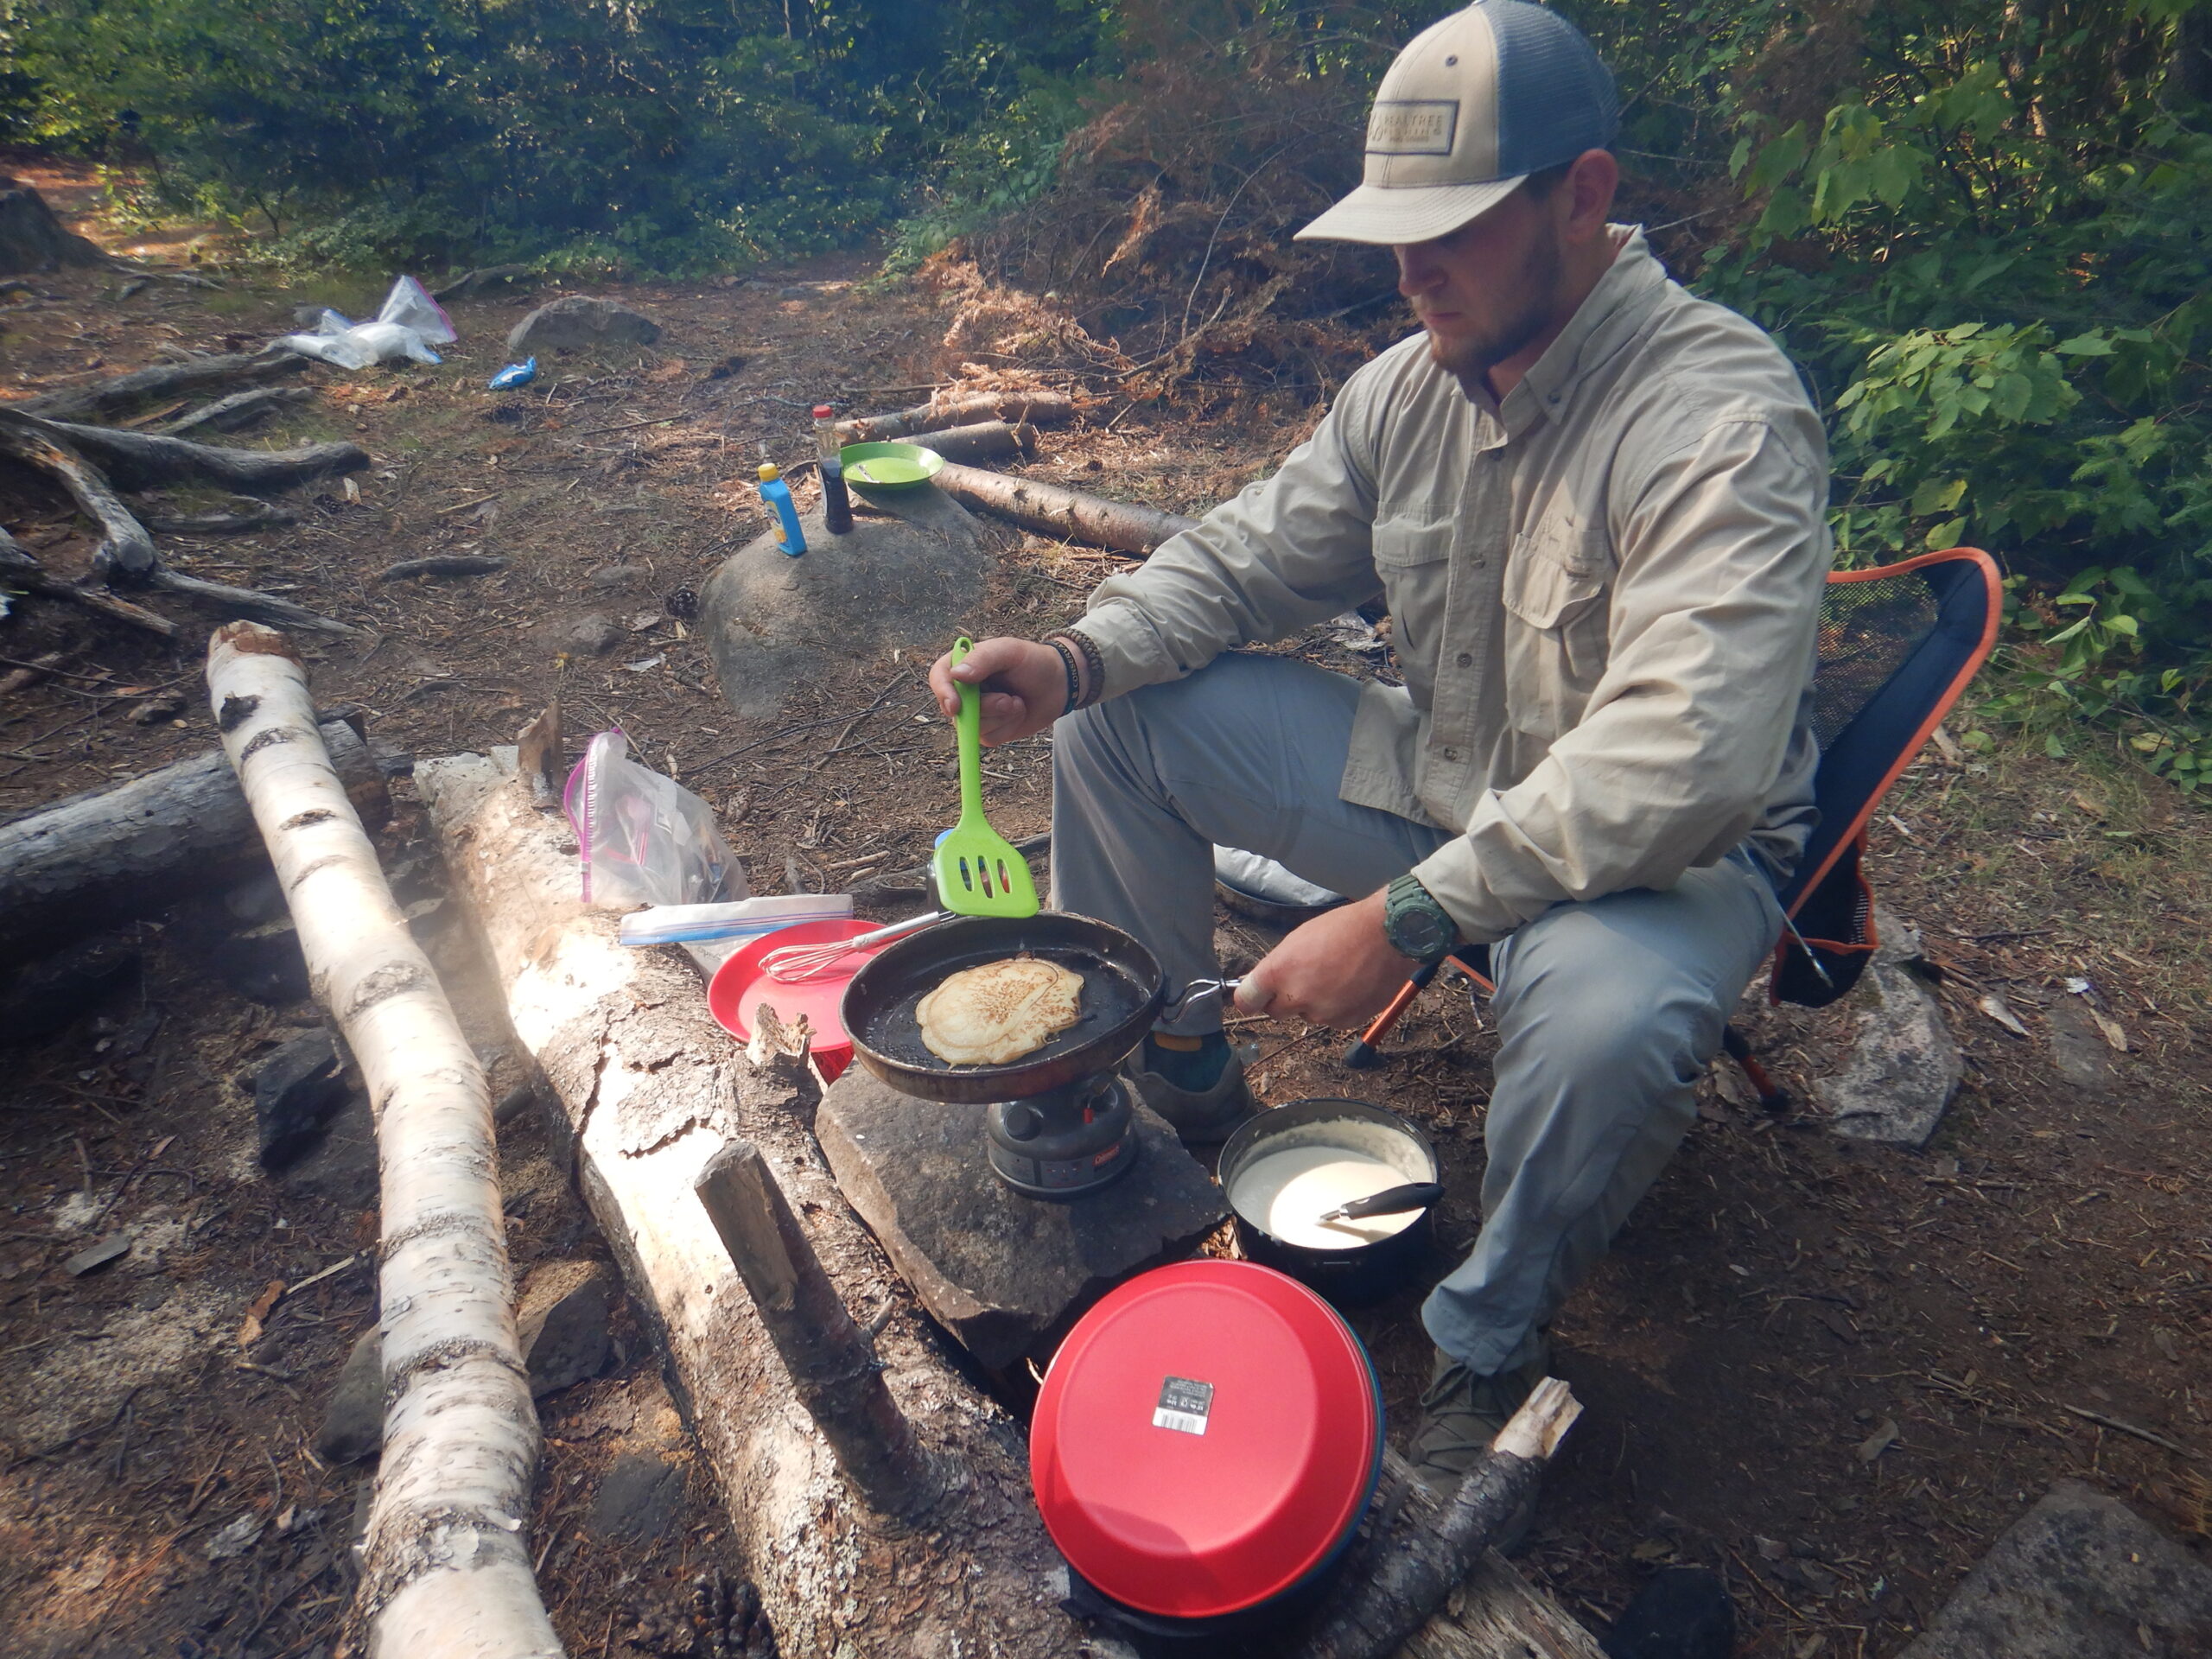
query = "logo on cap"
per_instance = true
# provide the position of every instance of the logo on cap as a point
(1413, 126)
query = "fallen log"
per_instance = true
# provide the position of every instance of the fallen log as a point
(1051, 510)
(444, 564)
(653, 1088)
(991, 441)
(19, 569)
(445, 1569)
(124, 549)
(199, 374)
(144, 460)
(1037, 408)
(134, 849)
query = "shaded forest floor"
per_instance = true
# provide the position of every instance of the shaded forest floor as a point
(1834, 1371)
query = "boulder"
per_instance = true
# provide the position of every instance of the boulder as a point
(576, 322)
(561, 1322)
(1905, 1065)
(2080, 1576)
(33, 238)
(914, 579)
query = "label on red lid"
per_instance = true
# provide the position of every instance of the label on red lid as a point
(1183, 1405)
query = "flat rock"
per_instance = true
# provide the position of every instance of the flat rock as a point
(576, 322)
(592, 634)
(562, 1321)
(640, 1499)
(1902, 1070)
(353, 1424)
(343, 1168)
(296, 1091)
(1001, 1272)
(910, 581)
(2078, 1049)
(2080, 1576)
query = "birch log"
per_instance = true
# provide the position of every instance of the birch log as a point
(653, 1088)
(1051, 510)
(446, 1572)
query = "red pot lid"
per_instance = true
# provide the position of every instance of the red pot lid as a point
(1207, 1434)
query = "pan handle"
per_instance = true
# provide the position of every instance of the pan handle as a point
(1179, 1004)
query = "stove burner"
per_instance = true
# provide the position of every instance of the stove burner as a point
(1066, 1143)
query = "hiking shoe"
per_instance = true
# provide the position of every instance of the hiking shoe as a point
(1199, 1116)
(1461, 1413)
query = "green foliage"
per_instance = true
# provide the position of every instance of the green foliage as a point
(652, 134)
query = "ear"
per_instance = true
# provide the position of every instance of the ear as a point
(1587, 196)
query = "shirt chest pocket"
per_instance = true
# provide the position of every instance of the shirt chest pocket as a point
(1557, 594)
(1412, 556)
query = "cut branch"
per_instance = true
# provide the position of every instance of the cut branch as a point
(1038, 408)
(1051, 510)
(446, 1574)
(989, 441)
(199, 374)
(125, 550)
(136, 847)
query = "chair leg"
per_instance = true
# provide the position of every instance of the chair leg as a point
(1772, 1096)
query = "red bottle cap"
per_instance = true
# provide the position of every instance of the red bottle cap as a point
(821, 411)
(1207, 1435)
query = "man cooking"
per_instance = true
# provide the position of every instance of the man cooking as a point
(1594, 506)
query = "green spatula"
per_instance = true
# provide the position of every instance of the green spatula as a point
(978, 872)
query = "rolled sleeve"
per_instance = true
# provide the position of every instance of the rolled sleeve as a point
(1724, 552)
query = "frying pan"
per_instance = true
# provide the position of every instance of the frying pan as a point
(1122, 994)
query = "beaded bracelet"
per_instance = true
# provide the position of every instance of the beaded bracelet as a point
(1094, 660)
(1067, 661)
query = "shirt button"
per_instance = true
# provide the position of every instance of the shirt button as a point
(1465, 660)
(1451, 754)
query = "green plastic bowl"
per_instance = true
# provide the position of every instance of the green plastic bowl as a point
(889, 465)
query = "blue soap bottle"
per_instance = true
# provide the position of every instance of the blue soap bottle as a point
(790, 538)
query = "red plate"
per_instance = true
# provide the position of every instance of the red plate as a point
(1207, 1436)
(740, 985)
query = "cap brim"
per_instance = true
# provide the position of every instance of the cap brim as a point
(1396, 215)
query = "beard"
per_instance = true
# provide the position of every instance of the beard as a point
(1535, 285)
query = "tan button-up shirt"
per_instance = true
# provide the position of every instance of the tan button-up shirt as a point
(1604, 591)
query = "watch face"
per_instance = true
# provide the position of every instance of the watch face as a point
(1419, 933)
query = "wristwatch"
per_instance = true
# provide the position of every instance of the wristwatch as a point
(1415, 924)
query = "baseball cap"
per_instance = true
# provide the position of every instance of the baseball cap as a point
(1478, 101)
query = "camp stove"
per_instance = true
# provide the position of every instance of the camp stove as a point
(1060, 1123)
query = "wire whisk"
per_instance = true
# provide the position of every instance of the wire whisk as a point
(794, 964)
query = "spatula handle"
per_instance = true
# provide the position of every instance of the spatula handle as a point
(967, 728)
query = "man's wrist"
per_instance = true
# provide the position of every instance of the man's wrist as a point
(1090, 664)
(1416, 925)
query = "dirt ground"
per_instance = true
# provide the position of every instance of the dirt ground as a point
(1832, 1371)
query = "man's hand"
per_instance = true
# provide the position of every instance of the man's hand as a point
(1337, 969)
(1025, 686)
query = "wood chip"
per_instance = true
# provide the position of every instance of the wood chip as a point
(97, 1256)
(1998, 1009)
(271, 1293)
(2114, 1034)
(1879, 1441)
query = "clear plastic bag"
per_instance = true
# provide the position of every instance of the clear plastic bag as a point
(645, 839)
(410, 321)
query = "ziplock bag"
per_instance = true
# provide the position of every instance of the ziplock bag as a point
(408, 323)
(645, 839)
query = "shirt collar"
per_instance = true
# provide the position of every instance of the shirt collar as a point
(1605, 322)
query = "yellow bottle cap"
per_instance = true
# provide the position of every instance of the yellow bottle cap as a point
(768, 472)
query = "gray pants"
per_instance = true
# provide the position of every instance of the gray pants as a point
(1607, 1011)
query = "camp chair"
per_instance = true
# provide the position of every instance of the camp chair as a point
(1896, 647)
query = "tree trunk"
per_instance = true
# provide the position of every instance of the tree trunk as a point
(120, 392)
(135, 848)
(653, 1088)
(989, 441)
(1051, 510)
(446, 1570)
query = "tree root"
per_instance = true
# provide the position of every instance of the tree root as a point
(141, 460)
(234, 413)
(125, 550)
(113, 396)
(246, 604)
(19, 569)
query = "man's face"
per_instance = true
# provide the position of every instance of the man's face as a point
(1489, 288)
